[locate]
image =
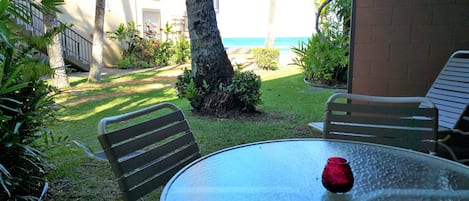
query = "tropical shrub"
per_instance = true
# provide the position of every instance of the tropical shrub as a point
(26, 106)
(325, 56)
(163, 53)
(137, 52)
(127, 35)
(182, 52)
(245, 87)
(186, 87)
(146, 52)
(266, 58)
(127, 62)
(323, 60)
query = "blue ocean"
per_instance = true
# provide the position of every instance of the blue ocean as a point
(283, 43)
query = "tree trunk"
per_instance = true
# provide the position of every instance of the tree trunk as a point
(98, 40)
(210, 63)
(55, 54)
(270, 38)
(318, 15)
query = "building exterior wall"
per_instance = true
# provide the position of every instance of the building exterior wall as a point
(399, 47)
(81, 15)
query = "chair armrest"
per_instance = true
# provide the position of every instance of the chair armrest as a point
(317, 126)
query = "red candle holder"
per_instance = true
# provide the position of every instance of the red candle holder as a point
(337, 176)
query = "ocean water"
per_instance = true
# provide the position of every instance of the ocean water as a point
(283, 43)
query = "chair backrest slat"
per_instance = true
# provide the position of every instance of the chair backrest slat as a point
(377, 109)
(450, 90)
(395, 121)
(157, 181)
(157, 152)
(378, 120)
(153, 167)
(137, 143)
(120, 135)
(145, 155)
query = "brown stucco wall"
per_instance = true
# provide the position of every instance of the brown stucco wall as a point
(400, 46)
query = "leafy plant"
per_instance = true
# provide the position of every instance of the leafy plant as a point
(127, 35)
(182, 51)
(246, 87)
(324, 57)
(26, 106)
(145, 52)
(266, 58)
(127, 62)
(186, 87)
(163, 53)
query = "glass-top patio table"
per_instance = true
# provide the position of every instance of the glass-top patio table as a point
(291, 170)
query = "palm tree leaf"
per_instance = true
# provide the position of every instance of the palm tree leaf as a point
(4, 181)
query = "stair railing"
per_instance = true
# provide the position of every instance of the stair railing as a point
(74, 44)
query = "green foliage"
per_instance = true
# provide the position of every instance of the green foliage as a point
(26, 106)
(127, 62)
(132, 62)
(128, 35)
(146, 52)
(182, 52)
(324, 57)
(266, 58)
(187, 88)
(163, 53)
(246, 86)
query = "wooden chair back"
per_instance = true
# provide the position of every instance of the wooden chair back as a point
(395, 121)
(146, 154)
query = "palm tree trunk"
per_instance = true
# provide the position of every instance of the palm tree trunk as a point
(318, 15)
(55, 54)
(270, 38)
(210, 63)
(98, 41)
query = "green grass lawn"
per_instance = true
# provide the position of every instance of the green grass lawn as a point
(288, 105)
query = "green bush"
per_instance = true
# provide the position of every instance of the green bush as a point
(182, 52)
(325, 56)
(137, 52)
(128, 35)
(266, 58)
(26, 107)
(323, 60)
(187, 88)
(127, 62)
(146, 52)
(246, 87)
(163, 53)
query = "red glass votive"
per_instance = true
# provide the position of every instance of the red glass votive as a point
(337, 176)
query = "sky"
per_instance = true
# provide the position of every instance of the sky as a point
(248, 18)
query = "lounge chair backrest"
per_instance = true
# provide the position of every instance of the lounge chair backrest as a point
(450, 92)
(146, 154)
(395, 121)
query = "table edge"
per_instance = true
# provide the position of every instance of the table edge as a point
(182, 170)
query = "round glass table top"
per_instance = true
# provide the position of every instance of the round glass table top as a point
(292, 169)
